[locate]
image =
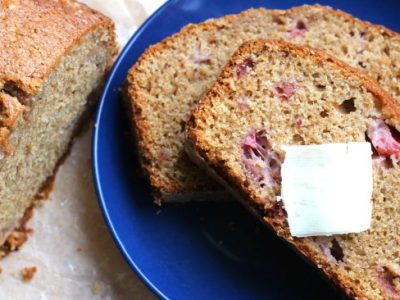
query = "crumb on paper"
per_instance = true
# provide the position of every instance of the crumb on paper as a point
(1, 270)
(16, 239)
(78, 249)
(28, 273)
(96, 288)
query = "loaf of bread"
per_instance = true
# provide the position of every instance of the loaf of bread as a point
(53, 57)
(293, 95)
(170, 76)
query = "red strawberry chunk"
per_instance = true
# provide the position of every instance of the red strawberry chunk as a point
(261, 162)
(298, 28)
(382, 139)
(284, 89)
(245, 67)
(387, 279)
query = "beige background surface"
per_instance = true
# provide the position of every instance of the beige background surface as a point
(71, 246)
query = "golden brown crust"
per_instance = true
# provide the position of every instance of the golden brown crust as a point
(137, 101)
(298, 245)
(10, 111)
(388, 105)
(45, 32)
(140, 125)
(199, 148)
(35, 35)
(19, 235)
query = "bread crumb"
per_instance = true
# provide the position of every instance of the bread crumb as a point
(1, 270)
(28, 273)
(16, 239)
(96, 288)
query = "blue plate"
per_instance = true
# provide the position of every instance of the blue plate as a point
(207, 250)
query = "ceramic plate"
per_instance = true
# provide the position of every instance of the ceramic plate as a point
(197, 250)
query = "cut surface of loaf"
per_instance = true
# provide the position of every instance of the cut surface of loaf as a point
(170, 76)
(54, 55)
(295, 95)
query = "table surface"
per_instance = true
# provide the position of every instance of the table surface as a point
(70, 245)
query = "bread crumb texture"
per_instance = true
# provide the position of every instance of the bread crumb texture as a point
(28, 273)
(53, 55)
(297, 95)
(171, 76)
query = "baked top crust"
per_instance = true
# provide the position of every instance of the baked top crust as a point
(170, 77)
(220, 132)
(36, 34)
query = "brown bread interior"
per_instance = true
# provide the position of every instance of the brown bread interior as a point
(273, 93)
(42, 135)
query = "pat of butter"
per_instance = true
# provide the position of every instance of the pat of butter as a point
(327, 189)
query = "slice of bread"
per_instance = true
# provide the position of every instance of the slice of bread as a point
(297, 95)
(169, 78)
(54, 55)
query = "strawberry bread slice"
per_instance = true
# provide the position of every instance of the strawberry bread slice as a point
(170, 76)
(295, 95)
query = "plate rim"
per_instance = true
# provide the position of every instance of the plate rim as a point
(94, 150)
